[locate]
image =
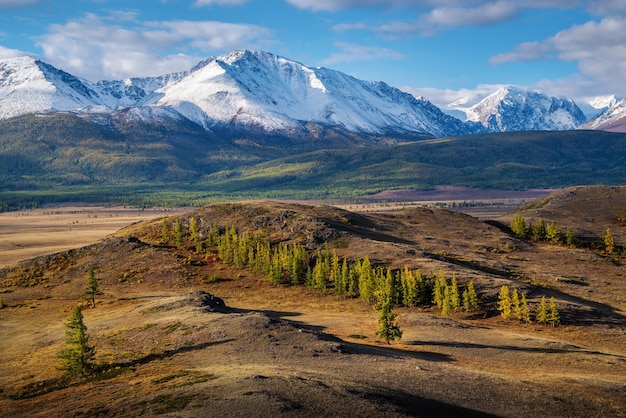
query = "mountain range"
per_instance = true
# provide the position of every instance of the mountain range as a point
(259, 93)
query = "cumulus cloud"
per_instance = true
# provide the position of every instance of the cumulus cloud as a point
(352, 52)
(10, 53)
(447, 99)
(96, 47)
(597, 48)
(428, 17)
(606, 7)
(527, 51)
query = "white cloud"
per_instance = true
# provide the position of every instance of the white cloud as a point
(597, 48)
(606, 7)
(337, 5)
(219, 2)
(353, 52)
(484, 14)
(96, 47)
(428, 17)
(448, 99)
(11, 53)
(527, 51)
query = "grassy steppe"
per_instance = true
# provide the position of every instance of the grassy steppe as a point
(285, 350)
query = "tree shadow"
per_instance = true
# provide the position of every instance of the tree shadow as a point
(348, 347)
(170, 353)
(539, 350)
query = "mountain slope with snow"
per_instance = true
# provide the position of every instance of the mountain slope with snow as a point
(251, 88)
(28, 85)
(512, 109)
(613, 119)
(259, 93)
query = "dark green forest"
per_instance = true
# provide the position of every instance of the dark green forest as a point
(65, 157)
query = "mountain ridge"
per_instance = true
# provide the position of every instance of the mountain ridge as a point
(255, 92)
(515, 109)
(612, 119)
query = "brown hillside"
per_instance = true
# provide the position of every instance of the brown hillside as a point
(587, 210)
(173, 350)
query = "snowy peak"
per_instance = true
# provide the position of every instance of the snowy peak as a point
(612, 119)
(514, 109)
(28, 85)
(259, 92)
(264, 90)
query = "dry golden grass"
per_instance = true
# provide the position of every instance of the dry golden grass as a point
(290, 351)
(30, 233)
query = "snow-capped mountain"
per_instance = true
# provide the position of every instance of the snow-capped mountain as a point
(258, 89)
(133, 91)
(514, 109)
(242, 89)
(28, 85)
(593, 106)
(262, 92)
(612, 119)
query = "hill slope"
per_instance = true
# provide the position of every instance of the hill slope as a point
(291, 351)
(144, 163)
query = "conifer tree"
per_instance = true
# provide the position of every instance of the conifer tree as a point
(388, 327)
(524, 310)
(178, 234)
(93, 287)
(552, 233)
(446, 303)
(439, 288)
(609, 241)
(516, 305)
(344, 282)
(366, 280)
(504, 302)
(541, 314)
(77, 357)
(165, 231)
(518, 226)
(195, 236)
(570, 238)
(213, 237)
(308, 278)
(275, 271)
(470, 298)
(410, 288)
(299, 263)
(455, 298)
(353, 281)
(335, 272)
(319, 274)
(554, 317)
(538, 230)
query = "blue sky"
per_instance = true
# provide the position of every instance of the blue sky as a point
(444, 50)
